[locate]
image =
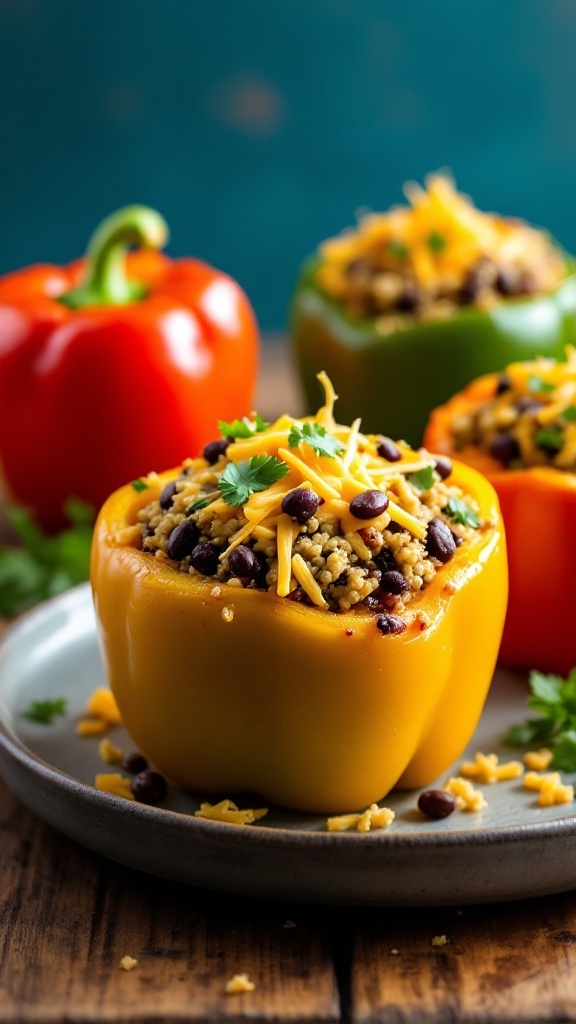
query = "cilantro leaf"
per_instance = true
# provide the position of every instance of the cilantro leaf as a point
(549, 438)
(317, 437)
(436, 242)
(139, 486)
(195, 506)
(243, 428)
(241, 479)
(424, 479)
(554, 699)
(460, 512)
(44, 711)
(44, 566)
(569, 414)
(398, 249)
(538, 386)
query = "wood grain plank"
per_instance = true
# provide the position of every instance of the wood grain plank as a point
(503, 964)
(67, 917)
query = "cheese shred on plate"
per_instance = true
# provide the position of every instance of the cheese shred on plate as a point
(310, 511)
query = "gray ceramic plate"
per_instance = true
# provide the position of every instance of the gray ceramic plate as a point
(512, 849)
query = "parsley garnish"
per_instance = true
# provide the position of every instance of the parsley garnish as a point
(549, 438)
(317, 437)
(243, 428)
(44, 566)
(569, 414)
(539, 386)
(195, 506)
(398, 249)
(44, 711)
(139, 485)
(554, 700)
(424, 479)
(460, 512)
(436, 242)
(241, 479)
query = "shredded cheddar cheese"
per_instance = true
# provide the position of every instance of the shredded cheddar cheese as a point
(307, 581)
(102, 705)
(227, 811)
(373, 818)
(115, 784)
(485, 768)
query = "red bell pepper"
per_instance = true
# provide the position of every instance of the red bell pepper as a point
(117, 364)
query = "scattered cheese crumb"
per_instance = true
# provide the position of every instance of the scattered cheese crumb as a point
(289, 924)
(227, 811)
(439, 940)
(102, 705)
(110, 753)
(467, 798)
(552, 789)
(216, 592)
(128, 963)
(538, 760)
(373, 818)
(485, 768)
(393, 952)
(91, 727)
(228, 613)
(239, 983)
(115, 784)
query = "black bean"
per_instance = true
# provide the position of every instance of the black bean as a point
(390, 624)
(388, 450)
(167, 496)
(204, 558)
(244, 563)
(134, 763)
(300, 504)
(393, 582)
(528, 404)
(408, 301)
(369, 504)
(147, 531)
(503, 384)
(182, 540)
(149, 787)
(505, 449)
(436, 803)
(508, 281)
(394, 527)
(384, 561)
(214, 449)
(443, 467)
(440, 543)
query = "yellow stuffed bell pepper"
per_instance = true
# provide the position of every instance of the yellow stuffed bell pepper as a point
(316, 698)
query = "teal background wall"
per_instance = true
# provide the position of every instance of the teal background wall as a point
(258, 127)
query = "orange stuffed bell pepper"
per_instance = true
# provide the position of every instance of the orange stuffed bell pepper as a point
(311, 614)
(115, 364)
(519, 429)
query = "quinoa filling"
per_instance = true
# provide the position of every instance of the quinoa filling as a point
(314, 512)
(425, 261)
(530, 420)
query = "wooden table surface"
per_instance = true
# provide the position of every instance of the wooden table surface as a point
(67, 917)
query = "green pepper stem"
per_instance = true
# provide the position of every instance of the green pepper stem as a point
(106, 282)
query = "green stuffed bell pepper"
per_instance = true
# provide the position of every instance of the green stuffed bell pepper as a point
(410, 306)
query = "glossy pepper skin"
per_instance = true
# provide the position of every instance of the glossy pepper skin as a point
(394, 381)
(539, 511)
(115, 364)
(281, 701)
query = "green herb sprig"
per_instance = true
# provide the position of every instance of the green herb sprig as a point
(317, 437)
(243, 428)
(139, 485)
(554, 701)
(424, 479)
(241, 479)
(460, 512)
(44, 566)
(538, 386)
(45, 711)
(549, 438)
(399, 250)
(436, 242)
